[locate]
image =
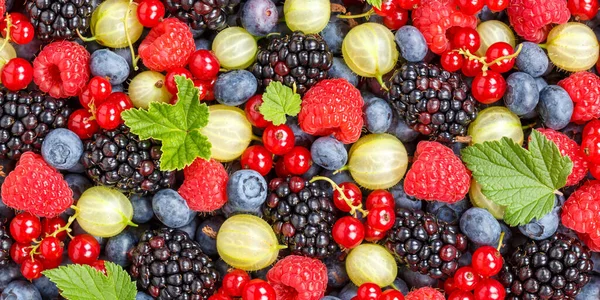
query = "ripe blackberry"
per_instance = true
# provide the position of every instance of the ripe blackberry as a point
(432, 101)
(168, 264)
(302, 216)
(427, 245)
(555, 268)
(298, 59)
(26, 118)
(120, 159)
(5, 243)
(60, 19)
(202, 14)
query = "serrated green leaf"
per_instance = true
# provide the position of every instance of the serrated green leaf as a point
(524, 181)
(176, 126)
(375, 3)
(124, 287)
(279, 101)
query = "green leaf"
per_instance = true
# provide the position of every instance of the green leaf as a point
(279, 101)
(375, 3)
(524, 181)
(81, 282)
(176, 126)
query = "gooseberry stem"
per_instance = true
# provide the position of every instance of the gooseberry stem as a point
(353, 208)
(482, 59)
(342, 169)
(367, 15)
(134, 59)
(85, 39)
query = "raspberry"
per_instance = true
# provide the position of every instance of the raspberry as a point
(298, 278)
(584, 89)
(580, 212)
(434, 17)
(532, 19)
(332, 107)
(167, 46)
(437, 174)
(425, 293)
(593, 244)
(205, 184)
(569, 148)
(36, 187)
(62, 69)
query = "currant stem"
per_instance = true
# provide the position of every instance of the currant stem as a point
(366, 15)
(256, 138)
(482, 60)
(500, 242)
(134, 59)
(353, 208)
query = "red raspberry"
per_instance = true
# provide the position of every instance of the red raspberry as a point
(533, 19)
(36, 187)
(593, 244)
(425, 293)
(298, 278)
(582, 210)
(62, 69)
(569, 148)
(434, 17)
(584, 89)
(167, 46)
(437, 174)
(332, 107)
(205, 185)
(2, 7)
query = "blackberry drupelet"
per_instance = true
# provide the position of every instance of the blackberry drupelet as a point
(5, 243)
(555, 268)
(298, 59)
(202, 14)
(60, 19)
(432, 101)
(118, 158)
(168, 264)
(302, 216)
(427, 245)
(26, 118)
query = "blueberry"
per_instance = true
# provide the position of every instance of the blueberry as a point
(411, 41)
(62, 148)
(543, 228)
(125, 53)
(555, 107)
(190, 228)
(415, 280)
(9, 273)
(105, 63)
(449, 213)
(329, 153)
(5, 211)
(171, 209)
(330, 298)
(540, 83)
(595, 259)
(246, 191)
(591, 290)
(507, 239)
(339, 69)
(206, 235)
(78, 184)
(399, 129)
(235, 88)
(465, 259)
(142, 209)
(203, 44)
(486, 14)
(47, 288)
(259, 17)
(378, 116)
(313, 171)
(143, 296)
(301, 138)
(118, 88)
(403, 200)
(336, 273)
(521, 95)
(21, 289)
(532, 60)
(480, 226)
(30, 50)
(334, 34)
(197, 33)
(117, 246)
(401, 286)
(369, 97)
(348, 292)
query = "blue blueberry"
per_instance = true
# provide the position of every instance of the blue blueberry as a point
(591, 290)
(339, 69)
(522, 95)
(369, 97)
(399, 129)
(415, 280)
(125, 53)
(555, 107)
(142, 209)
(5, 211)
(480, 226)
(62, 148)
(403, 200)
(329, 153)
(348, 292)
(117, 246)
(541, 83)
(197, 33)
(118, 88)
(449, 213)
(171, 209)
(30, 50)
(190, 228)
(301, 138)
(532, 60)
(378, 116)
(543, 228)
(486, 14)
(330, 298)
(203, 44)
(246, 191)
(47, 288)
(235, 88)
(9, 273)
(313, 171)
(411, 41)
(78, 184)
(595, 259)
(337, 277)
(206, 235)
(334, 34)
(21, 289)
(507, 239)
(105, 63)
(143, 296)
(465, 259)
(400, 285)
(259, 17)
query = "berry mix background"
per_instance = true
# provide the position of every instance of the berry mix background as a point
(300, 149)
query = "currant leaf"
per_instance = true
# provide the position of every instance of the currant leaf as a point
(279, 101)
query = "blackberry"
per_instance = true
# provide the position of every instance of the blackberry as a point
(432, 101)
(118, 158)
(425, 244)
(202, 14)
(302, 216)
(555, 268)
(60, 19)
(26, 118)
(168, 264)
(298, 59)
(5, 243)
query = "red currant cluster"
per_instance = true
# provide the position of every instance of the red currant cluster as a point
(474, 282)
(35, 255)
(203, 68)
(395, 12)
(17, 73)
(237, 284)
(371, 291)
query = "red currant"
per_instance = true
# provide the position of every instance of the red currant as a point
(99, 265)
(22, 33)
(583, 9)
(150, 12)
(219, 296)
(80, 123)
(381, 218)
(170, 78)
(257, 158)
(488, 87)
(373, 235)
(298, 160)
(408, 4)
(368, 291)
(391, 295)
(204, 65)
(280, 170)
(121, 99)
(108, 115)
(19, 252)
(461, 295)
(351, 191)
(380, 198)
(465, 278)
(387, 8)
(497, 50)
(497, 5)
(25, 228)
(396, 20)
(206, 89)
(348, 232)
(279, 139)
(99, 89)
(470, 7)
(234, 282)
(258, 289)
(471, 67)
(487, 261)
(449, 285)
(32, 269)
(466, 38)
(84, 249)
(452, 61)
(51, 248)
(594, 170)
(253, 114)
(85, 98)
(16, 74)
(50, 264)
(489, 289)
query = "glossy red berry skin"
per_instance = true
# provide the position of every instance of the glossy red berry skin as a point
(452, 61)
(465, 278)
(391, 295)
(470, 7)
(84, 249)
(368, 291)
(351, 191)
(258, 289)
(488, 87)
(498, 50)
(32, 269)
(206, 89)
(204, 65)
(590, 145)
(387, 8)
(16, 74)
(51, 248)
(461, 295)
(99, 265)
(497, 5)
(219, 296)
(257, 158)
(280, 170)
(487, 261)
(170, 78)
(234, 282)
(583, 9)
(408, 4)
(348, 232)
(22, 33)
(19, 252)
(121, 99)
(396, 19)
(449, 285)
(471, 67)
(381, 218)
(380, 198)
(279, 139)
(467, 39)
(80, 124)
(489, 289)
(99, 89)
(594, 170)
(150, 12)
(298, 160)
(253, 114)
(25, 227)
(108, 115)
(373, 235)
